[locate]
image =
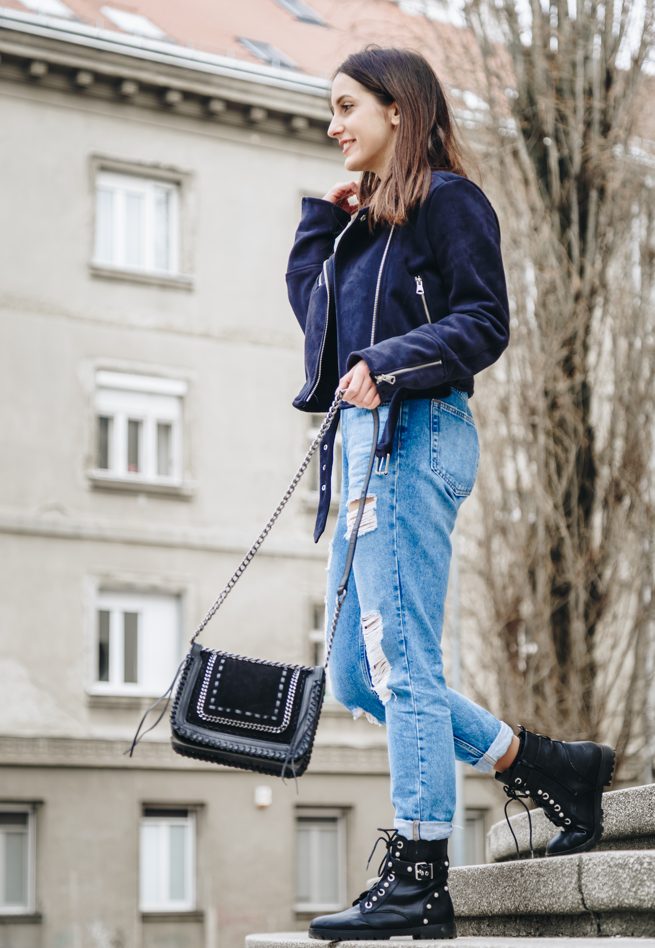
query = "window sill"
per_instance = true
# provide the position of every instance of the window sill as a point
(101, 481)
(178, 281)
(113, 701)
(192, 915)
(20, 918)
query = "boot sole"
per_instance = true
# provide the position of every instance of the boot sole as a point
(604, 779)
(445, 930)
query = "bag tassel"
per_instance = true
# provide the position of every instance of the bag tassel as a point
(166, 697)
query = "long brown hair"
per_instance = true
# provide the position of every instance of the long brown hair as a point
(426, 139)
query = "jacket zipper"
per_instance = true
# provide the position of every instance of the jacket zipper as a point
(421, 292)
(325, 330)
(391, 376)
(377, 286)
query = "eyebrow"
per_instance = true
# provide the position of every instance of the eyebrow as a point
(346, 95)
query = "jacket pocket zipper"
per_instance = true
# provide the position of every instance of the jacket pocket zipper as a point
(391, 376)
(421, 292)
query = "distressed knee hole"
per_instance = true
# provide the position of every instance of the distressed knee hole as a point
(358, 712)
(378, 662)
(369, 516)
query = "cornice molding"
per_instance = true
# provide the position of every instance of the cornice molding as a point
(108, 531)
(66, 752)
(102, 64)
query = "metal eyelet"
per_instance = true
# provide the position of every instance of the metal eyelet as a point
(368, 904)
(380, 891)
(558, 808)
(518, 781)
(568, 822)
(399, 843)
(392, 876)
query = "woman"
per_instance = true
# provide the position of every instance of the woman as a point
(397, 282)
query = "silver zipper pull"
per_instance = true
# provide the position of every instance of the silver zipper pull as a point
(385, 378)
(419, 285)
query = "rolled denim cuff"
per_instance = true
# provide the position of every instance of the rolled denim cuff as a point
(499, 746)
(417, 829)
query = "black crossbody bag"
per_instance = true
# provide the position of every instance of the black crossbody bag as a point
(252, 713)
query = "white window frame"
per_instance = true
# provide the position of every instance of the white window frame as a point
(315, 422)
(28, 908)
(124, 397)
(120, 183)
(116, 602)
(165, 822)
(316, 637)
(339, 816)
(475, 821)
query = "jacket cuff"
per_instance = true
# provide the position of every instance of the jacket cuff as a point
(374, 362)
(323, 215)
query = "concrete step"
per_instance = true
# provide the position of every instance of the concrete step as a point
(593, 894)
(300, 940)
(628, 820)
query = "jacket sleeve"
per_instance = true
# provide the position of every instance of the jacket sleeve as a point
(464, 238)
(320, 223)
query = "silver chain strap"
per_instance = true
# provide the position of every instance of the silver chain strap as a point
(241, 568)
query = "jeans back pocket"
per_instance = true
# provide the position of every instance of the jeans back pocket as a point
(454, 447)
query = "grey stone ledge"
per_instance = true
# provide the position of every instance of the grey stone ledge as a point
(628, 820)
(301, 940)
(598, 893)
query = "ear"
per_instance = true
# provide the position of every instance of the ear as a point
(394, 114)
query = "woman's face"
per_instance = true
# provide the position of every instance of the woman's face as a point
(364, 128)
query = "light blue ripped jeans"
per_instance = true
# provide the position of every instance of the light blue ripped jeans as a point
(386, 659)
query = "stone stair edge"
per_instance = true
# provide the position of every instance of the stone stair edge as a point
(302, 940)
(628, 813)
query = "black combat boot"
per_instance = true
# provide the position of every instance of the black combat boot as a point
(411, 896)
(565, 779)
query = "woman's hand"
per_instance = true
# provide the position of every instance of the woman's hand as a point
(361, 390)
(340, 193)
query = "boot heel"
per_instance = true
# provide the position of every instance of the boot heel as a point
(606, 769)
(444, 930)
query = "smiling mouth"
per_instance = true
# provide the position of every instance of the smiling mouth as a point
(346, 146)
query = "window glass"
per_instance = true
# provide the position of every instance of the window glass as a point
(138, 642)
(138, 428)
(319, 860)
(167, 868)
(14, 860)
(136, 222)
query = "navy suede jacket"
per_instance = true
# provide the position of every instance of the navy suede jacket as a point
(436, 313)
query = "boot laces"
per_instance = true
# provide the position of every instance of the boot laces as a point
(520, 796)
(388, 839)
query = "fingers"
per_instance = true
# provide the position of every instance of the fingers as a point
(361, 390)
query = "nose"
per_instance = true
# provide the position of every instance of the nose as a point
(334, 128)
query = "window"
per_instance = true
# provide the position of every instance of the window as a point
(138, 428)
(317, 639)
(137, 642)
(137, 223)
(267, 53)
(48, 7)
(320, 860)
(474, 837)
(167, 860)
(302, 12)
(16, 859)
(132, 23)
(313, 474)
